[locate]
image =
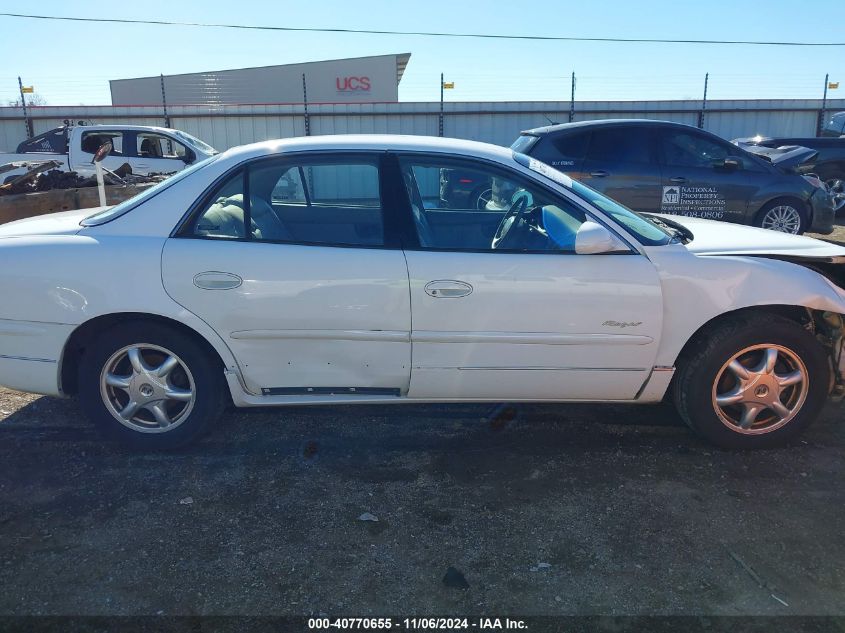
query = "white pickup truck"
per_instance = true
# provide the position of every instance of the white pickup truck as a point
(147, 149)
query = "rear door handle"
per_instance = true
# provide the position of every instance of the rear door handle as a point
(214, 280)
(678, 179)
(601, 173)
(447, 289)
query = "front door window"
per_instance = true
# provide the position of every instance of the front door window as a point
(513, 215)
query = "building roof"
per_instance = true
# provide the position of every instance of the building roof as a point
(401, 63)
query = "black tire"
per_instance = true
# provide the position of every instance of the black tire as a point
(203, 367)
(798, 205)
(702, 363)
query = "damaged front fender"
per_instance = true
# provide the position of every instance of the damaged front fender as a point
(830, 331)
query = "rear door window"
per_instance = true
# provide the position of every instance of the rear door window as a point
(305, 201)
(620, 145)
(563, 150)
(319, 201)
(568, 150)
(91, 142)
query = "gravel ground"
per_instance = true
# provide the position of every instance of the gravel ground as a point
(579, 509)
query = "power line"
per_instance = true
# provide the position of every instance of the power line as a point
(496, 36)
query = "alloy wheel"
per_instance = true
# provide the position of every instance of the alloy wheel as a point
(784, 218)
(147, 388)
(760, 389)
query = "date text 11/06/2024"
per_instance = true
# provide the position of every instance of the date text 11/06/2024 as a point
(417, 623)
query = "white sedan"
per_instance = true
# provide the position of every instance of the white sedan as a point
(337, 270)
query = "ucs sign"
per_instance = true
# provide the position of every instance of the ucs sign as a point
(347, 84)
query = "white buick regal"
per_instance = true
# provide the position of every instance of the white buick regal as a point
(353, 269)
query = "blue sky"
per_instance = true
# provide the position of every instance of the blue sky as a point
(70, 63)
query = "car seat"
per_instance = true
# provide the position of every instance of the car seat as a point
(150, 148)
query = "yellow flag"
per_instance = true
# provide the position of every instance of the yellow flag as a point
(448, 85)
(28, 89)
(833, 85)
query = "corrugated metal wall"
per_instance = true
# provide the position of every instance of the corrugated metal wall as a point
(499, 122)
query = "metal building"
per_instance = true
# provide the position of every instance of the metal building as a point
(354, 80)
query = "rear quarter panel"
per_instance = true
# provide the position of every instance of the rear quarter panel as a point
(71, 279)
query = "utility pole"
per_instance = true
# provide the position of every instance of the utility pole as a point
(305, 104)
(164, 102)
(572, 100)
(26, 120)
(703, 103)
(440, 119)
(820, 122)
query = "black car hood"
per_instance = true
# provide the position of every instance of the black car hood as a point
(786, 157)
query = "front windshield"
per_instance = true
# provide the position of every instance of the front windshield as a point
(193, 140)
(646, 231)
(127, 205)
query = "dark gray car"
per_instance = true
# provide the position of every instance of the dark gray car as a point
(664, 167)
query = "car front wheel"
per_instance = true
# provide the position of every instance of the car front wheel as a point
(752, 383)
(150, 386)
(785, 216)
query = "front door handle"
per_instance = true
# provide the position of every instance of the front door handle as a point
(215, 280)
(447, 289)
(678, 179)
(600, 173)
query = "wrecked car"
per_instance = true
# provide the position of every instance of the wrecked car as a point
(356, 286)
(825, 159)
(666, 167)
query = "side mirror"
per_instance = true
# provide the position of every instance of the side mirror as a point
(731, 163)
(593, 239)
(103, 151)
(189, 157)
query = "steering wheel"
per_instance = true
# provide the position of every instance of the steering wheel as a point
(508, 221)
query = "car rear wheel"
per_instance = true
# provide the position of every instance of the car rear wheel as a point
(752, 382)
(149, 386)
(785, 216)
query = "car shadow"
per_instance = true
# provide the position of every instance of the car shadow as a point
(318, 432)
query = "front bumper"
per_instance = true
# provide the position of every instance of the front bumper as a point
(823, 213)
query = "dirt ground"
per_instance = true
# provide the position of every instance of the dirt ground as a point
(838, 235)
(579, 509)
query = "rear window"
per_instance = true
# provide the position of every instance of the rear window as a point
(524, 143)
(91, 141)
